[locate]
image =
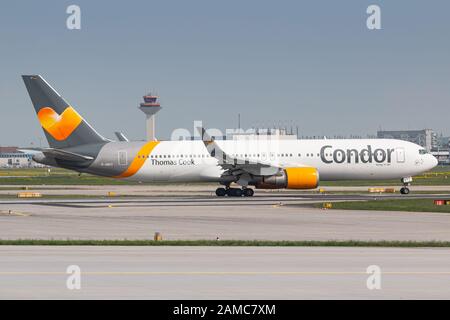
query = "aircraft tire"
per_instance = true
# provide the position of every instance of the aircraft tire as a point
(221, 192)
(234, 192)
(404, 190)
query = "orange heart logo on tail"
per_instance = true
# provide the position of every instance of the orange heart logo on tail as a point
(60, 126)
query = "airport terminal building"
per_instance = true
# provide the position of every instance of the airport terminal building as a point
(427, 138)
(11, 157)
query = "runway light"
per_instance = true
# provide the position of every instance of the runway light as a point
(29, 195)
(439, 202)
(327, 205)
(158, 236)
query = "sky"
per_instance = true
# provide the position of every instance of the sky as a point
(312, 64)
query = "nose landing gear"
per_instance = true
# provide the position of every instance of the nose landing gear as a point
(406, 183)
(234, 192)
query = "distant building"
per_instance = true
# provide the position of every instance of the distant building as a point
(443, 142)
(264, 134)
(442, 150)
(11, 157)
(443, 156)
(425, 138)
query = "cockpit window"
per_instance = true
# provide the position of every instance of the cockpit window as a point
(422, 151)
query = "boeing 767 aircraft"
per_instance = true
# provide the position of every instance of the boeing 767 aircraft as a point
(262, 163)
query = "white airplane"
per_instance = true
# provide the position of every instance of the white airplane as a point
(262, 163)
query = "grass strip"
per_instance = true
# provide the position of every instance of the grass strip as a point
(57, 176)
(409, 205)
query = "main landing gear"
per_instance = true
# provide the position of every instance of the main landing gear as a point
(234, 192)
(404, 190)
(406, 183)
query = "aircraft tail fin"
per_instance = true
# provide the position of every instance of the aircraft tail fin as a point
(62, 124)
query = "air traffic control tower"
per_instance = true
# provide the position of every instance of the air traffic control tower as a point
(150, 107)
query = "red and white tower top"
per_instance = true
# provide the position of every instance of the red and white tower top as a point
(150, 101)
(150, 106)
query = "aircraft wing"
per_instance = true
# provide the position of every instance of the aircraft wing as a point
(234, 165)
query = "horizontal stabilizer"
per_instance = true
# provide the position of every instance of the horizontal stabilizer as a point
(65, 155)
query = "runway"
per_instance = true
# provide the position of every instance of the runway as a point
(39, 272)
(223, 273)
(276, 216)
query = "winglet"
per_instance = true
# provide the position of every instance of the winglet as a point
(121, 136)
(204, 135)
(227, 161)
(211, 146)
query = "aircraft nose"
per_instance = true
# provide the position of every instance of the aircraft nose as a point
(433, 161)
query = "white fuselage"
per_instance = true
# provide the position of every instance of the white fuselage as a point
(335, 159)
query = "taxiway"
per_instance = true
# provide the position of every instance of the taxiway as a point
(277, 216)
(223, 273)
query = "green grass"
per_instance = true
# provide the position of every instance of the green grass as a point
(417, 181)
(40, 176)
(69, 179)
(440, 175)
(71, 196)
(57, 176)
(32, 172)
(411, 205)
(228, 243)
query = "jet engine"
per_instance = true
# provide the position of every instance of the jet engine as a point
(291, 178)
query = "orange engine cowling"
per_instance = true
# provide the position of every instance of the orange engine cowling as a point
(291, 178)
(302, 178)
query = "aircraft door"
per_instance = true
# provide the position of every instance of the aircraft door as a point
(400, 155)
(123, 158)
